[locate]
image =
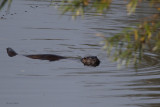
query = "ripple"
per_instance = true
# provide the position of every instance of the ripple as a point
(149, 62)
(34, 75)
(47, 39)
(48, 28)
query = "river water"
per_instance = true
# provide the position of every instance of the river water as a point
(34, 27)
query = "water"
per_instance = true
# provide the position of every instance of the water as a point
(34, 27)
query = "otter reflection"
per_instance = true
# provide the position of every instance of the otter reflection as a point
(87, 61)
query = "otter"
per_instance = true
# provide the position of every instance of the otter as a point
(87, 61)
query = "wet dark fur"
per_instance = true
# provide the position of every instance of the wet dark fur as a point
(88, 61)
(49, 57)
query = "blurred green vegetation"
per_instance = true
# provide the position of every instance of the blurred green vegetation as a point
(4, 2)
(129, 45)
(79, 7)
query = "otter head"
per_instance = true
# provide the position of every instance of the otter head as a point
(90, 61)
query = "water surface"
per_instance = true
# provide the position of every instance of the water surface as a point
(34, 27)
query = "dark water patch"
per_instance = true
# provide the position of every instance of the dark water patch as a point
(81, 48)
(100, 29)
(32, 75)
(47, 39)
(2, 18)
(73, 68)
(138, 88)
(146, 105)
(145, 89)
(92, 45)
(47, 28)
(94, 84)
(12, 103)
(67, 45)
(146, 82)
(90, 72)
(145, 96)
(72, 75)
(148, 73)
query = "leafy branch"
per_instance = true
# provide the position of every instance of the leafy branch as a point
(4, 2)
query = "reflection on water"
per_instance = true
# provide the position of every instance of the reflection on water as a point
(25, 82)
(52, 28)
(147, 91)
(47, 39)
(149, 62)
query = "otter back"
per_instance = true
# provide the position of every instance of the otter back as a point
(49, 57)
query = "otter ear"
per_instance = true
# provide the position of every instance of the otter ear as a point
(84, 58)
